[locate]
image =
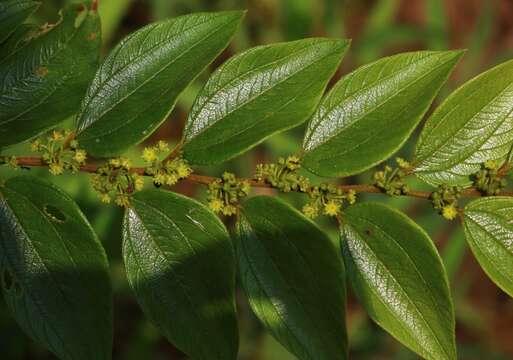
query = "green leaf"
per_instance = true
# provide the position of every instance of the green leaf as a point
(55, 274)
(257, 93)
(488, 224)
(294, 279)
(473, 125)
(13, 13)
(18, 39)
(399, 278)
(371, 112)
(43, 81)
(137, 85)
(181, 264)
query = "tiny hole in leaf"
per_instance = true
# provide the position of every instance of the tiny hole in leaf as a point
(54, 214)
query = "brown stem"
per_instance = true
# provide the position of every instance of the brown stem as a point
(30, 161)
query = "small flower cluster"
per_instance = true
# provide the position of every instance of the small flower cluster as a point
(115, 181)
(488, 180)
(282, 175)
(164, 172)
(59, 153)
(391, 181)
(224, 194)
(328, 198)
(445, 200)
(12, 161)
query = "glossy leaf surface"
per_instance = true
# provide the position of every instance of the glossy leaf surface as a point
(180, 263)
(55, 274)
(257, 93)
(488, 226)
(399, 278)
(43, 81)
(473, 125)
(294, 279)
(137, 85)
(372, 111)
(12, 14)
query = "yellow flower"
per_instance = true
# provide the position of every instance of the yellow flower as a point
(56, 168)
(139, 183)
(183, 170)
(310, 211)
(490, 164)
(105, 198)
(215, 205)
(122, 200)
(149, 154)
(56, 135)
(126, 163)
(80, 156)
(34, 145)
(245, 187)
(351, 197)
(331, 208)
(115, 162)
(159, 178)
(162, 146)
(229, 210)
(449, 212)
(171, 179)
(403, 164)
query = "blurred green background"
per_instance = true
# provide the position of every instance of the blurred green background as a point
(378, 28)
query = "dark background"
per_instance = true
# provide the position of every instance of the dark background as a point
(378, 28)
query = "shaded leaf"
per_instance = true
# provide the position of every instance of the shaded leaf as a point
(488, 224)
(13, 13)
(137, 85)
(43, 81)
(180, 263)
(294, 279)
(55, 274)
(473, 125)
(257, 93)
(371, 112)
(399, 278)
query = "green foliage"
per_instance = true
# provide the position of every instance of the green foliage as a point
(13, 13)
(255, 94)
(180, 263)
(489, 232)
(293, 278)
(137, 85)
(399, 278)
(178, 256)
(371, 112)
(474, 125)
(43, 81)
(55, 275)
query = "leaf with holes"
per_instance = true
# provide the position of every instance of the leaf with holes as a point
(43, 81)
(257, 93)
(488, 224)
(294, 279)
(137, 85)
(181, 265)
(473, 125)
(371, 112)
(399, 278)
(13, 13)
(55, 271)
